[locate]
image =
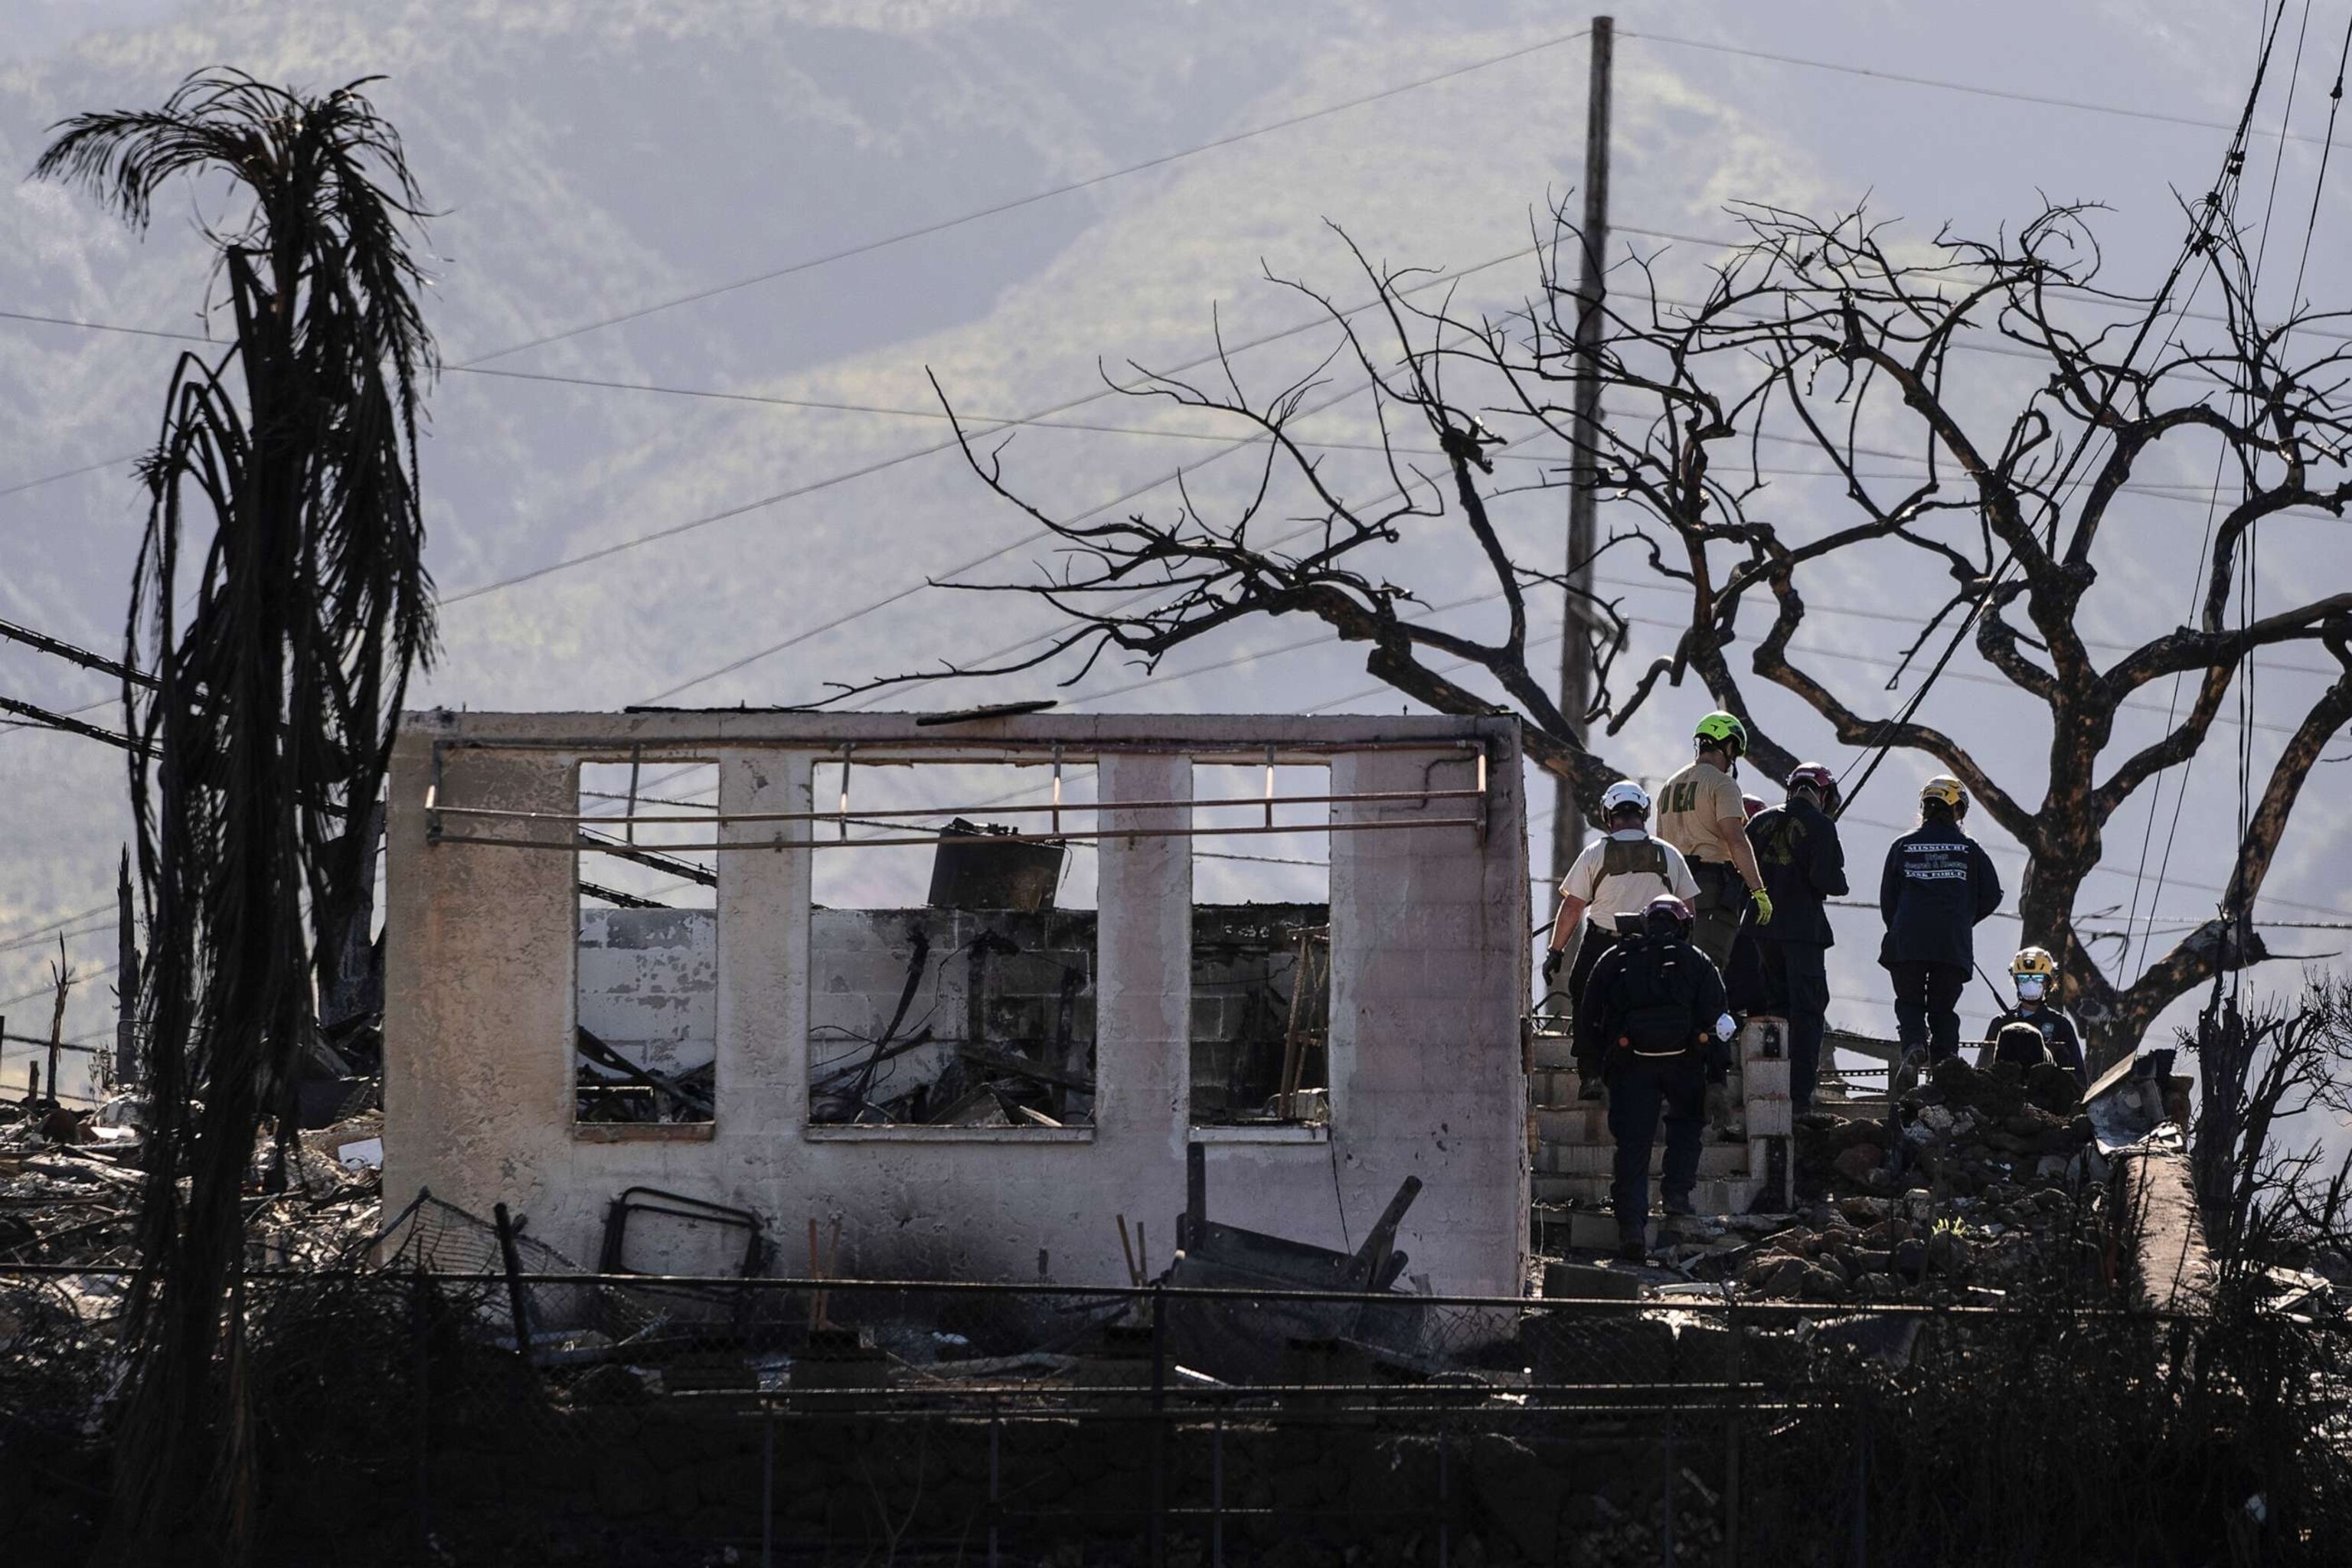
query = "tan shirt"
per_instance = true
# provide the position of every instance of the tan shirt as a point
(1690, 804)
(1607, 896)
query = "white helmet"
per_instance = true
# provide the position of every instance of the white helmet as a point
(1624, 795)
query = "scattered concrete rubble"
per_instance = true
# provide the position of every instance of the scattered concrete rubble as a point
(70, 1185)
(1980, 1181)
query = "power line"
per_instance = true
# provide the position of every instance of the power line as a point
(51, 990)
(2156, 490)
(62, 920)
(1068, 187)
(41, 718)
(69, 473)
(2319, 182)
(1033, 537)
(73, 654)
(1976, 88)
(68, 931)
(674, 530)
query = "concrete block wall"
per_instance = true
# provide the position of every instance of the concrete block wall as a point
(862, 958)
(649, 984)
(1243, 959)
(1430, 979)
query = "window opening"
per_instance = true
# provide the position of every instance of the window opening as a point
(645, 1044)
(1261, 962)
(952, 944)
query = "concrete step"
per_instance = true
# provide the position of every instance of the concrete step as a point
(1719, 1195)
(1587, 1122)
(1548, 1087)
(1551, 1088)
(1599, 1159)
(1553, 1051)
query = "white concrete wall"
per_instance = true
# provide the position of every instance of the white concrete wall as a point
(1430, 954)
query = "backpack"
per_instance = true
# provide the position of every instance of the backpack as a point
(2021, 1042)
(1655, 992)
(1630, 857)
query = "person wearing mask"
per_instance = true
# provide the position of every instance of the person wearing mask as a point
(1654, 1011)
(1797, 849)
(1700, 814)
(1937, 884)
(1618, 873)
(2035, 974)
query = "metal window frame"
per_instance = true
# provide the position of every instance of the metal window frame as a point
(437, 810)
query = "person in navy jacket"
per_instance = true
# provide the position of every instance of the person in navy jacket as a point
(1939, 883)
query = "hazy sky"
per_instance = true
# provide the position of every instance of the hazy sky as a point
(592, 160)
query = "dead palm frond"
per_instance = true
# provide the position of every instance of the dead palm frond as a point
(279, 601)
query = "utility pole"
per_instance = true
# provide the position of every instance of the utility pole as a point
(126, 982)
(1575, 651)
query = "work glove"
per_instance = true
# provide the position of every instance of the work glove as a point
(1718, 1103)
(1763, 902)
(1552, 958)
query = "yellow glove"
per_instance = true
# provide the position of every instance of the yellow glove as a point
(1763, 905)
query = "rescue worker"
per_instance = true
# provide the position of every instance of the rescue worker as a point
(1622, 871)
(1653, 1008)
(1797, 849)
(1743, 972)
(1937, 884)
(1699, 814)
(2034, 972)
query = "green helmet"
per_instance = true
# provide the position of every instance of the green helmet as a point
(1724, 730)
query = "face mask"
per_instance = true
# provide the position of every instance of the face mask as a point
(2029, 987)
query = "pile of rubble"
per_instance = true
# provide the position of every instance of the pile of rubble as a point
(1979, 1182)
(70, 1182)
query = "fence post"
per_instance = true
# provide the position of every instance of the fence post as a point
(1735, 1398)
(995, 1433)
(511, 1257)
(420, 1333)
(1862, 1484)
(768, 1482)
(1444, 1499)
(1673, 1405)
(1217, 1493)
(1158, 1528)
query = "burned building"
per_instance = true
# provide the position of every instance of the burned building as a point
(973, 988)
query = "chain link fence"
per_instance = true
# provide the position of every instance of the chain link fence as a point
(474, 1397)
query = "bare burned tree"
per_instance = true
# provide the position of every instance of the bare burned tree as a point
(2021, 402)
(2262, 1072)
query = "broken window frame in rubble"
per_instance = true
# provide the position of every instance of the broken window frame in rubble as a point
(631, 869)
(1277, 1054)
(992, 941)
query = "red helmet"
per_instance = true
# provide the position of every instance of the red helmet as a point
(1752, 804)
(1666, 906)
(1817, 777)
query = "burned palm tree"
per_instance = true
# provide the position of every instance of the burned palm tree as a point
(280, 601)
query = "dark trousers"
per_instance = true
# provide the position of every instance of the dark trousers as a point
(1797, 987)
(1927, 1006)
(1721, 905)
(1640, 1087)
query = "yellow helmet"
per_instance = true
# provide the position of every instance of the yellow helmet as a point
(2033, 960)
(1946, 788)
